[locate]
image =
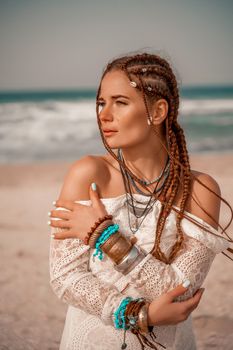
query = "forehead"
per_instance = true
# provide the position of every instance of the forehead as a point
(116, 83)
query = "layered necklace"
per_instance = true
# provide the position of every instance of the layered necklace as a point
(137, 208)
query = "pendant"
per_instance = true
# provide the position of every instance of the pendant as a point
(138, 210)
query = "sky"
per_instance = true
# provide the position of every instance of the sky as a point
(54, 44)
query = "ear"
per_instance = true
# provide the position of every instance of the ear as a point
(159, 111)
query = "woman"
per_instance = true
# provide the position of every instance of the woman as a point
(167, 216)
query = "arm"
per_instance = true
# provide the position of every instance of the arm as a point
(69, 275)
(75, 285)
(152, 277)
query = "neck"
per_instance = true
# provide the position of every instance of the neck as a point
(145, 161)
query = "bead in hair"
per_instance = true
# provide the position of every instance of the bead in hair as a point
(133, 84)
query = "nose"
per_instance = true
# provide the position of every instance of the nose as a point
(106, 114)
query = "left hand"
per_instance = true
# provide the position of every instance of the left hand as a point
(79, 218)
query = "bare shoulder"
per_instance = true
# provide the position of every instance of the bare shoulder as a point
(81, 174)
(204, 198)
(207, 180)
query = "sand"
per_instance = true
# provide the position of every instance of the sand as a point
(31, 316)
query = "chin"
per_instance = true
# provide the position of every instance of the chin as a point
(113, 145)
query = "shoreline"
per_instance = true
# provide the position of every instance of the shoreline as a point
(227, 152)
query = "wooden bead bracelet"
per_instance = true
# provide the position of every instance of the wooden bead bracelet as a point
(93, 228)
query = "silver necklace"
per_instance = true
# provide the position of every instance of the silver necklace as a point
(164, 171)
(136, 211)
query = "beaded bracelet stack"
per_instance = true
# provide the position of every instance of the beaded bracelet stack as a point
(128, 316)
(132, 315)
(93, 228)
(105, 237)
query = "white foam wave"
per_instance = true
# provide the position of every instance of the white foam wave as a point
(48, 128)
(57, 129)
(203, 107)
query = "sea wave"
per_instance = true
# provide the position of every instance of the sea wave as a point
(67, 129)
(208, 106)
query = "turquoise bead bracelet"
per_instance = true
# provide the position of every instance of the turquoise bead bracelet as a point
(119, 314)
(103, 238)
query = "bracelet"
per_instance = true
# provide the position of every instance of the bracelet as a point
(129, 260)
(95, 235)
(119, 249)
(132, 315)
(119, 314)
(101, 240)
(110, 242)
(126, 315)
(96, 224)
(143, 319)
(137, 260)
(124, 254)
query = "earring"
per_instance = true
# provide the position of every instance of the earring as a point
(148, 121)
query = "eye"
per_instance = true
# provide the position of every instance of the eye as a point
(121, 102)
(100, 105)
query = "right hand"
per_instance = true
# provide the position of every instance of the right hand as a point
(165, 311)
(77, 219)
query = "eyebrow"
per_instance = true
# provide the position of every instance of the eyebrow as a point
(114, 97)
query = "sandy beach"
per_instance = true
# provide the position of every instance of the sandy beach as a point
(31, 316)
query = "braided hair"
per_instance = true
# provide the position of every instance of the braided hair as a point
(155, 79)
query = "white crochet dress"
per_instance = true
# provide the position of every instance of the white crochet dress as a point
(94, 289)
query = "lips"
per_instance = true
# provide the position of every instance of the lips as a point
(109, 130)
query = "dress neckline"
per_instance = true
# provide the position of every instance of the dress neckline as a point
(158, 202)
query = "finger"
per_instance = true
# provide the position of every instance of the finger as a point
(63, 235)
(94, 195)
(193, 302)
(67, 204)
(95, 199)
(179, 290)
(59, 223)
(61, 214)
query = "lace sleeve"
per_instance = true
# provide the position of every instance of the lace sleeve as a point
(152, 277)
(75, 285)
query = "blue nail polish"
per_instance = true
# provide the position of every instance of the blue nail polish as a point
(93, 186)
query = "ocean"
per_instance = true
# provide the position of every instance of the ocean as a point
(61, 125)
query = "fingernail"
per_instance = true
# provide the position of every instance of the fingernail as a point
(49, 213)
(186, 283)
(53, 236)
(93, 186)
(49, 222)
(54, 202)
